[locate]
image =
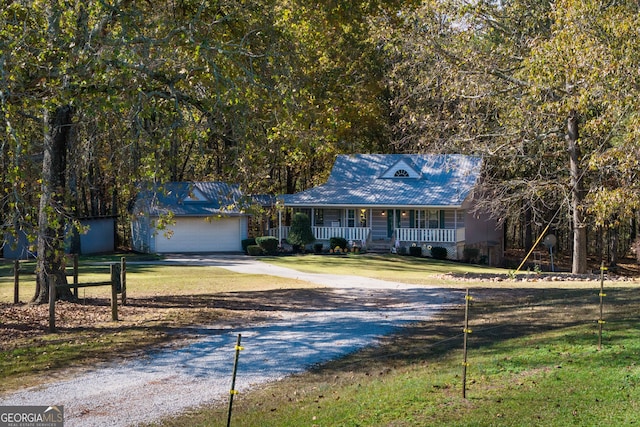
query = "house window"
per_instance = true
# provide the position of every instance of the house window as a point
(420, 220)
(318, 218)
(401, 173)
(351, 217)
(433, 218)
(426, 218)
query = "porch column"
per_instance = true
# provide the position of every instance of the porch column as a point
(370, 225)
(279, 227)
(395, 223)
(455, 224)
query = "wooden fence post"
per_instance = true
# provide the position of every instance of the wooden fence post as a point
(52, 302)
(16, 281)
(75, 275)
(123, 279)
(114, 292)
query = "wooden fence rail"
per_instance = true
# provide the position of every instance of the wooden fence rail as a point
(117, 281)
(121, 280)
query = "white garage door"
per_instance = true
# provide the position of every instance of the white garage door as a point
(201, 235)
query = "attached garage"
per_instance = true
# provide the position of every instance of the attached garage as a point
(203, 235)
(196, 217)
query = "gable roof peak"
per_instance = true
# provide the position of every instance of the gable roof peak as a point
(195, 195)
(402, 168)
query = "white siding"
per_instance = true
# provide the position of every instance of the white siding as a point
(203, 235)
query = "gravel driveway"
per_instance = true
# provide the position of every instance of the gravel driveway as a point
(167, 382)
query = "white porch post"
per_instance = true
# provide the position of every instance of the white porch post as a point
(395, 222)
(279, 227)
(455, 224)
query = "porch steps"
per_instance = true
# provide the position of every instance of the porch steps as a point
(379, 246)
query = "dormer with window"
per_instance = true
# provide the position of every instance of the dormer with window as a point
(402, 169)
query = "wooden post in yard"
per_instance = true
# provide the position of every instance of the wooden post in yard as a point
(52, 303)
(75, 275)
(114, 292)
(16, 281)
(123, 279)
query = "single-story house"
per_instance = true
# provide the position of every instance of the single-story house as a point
(390, 201)
(183, 217)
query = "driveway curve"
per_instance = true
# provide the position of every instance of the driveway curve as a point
(352, 313)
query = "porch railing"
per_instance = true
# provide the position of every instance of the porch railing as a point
(350, 233)
(434, 235)
(431, 235)
(325, 233)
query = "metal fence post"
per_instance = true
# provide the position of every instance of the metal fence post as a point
(466, 331)
(601, 321)
(233, 391)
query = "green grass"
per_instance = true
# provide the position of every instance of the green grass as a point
(387, 267)
(36, 361)
(145, 279)
(533, 357)
(425, 271)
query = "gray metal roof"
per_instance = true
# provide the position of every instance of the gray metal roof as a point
(192, 199)
(368, 180)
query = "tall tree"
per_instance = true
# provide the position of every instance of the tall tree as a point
(520, 68)
(51, 219)
(109, 64)
(579, 264)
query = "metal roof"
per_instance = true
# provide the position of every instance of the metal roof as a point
(368, 180)
(191, 199)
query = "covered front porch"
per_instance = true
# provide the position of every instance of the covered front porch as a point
(388, 227)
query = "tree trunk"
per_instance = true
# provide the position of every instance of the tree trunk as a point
(579, 265)
(614, 238)
(528, 229)
(51, 257)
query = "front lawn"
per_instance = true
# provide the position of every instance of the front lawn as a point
(432, 272)
(533, 357)
(533, 361)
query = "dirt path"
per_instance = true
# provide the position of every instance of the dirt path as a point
(316, 326)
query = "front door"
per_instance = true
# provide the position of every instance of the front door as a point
(391, 215)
